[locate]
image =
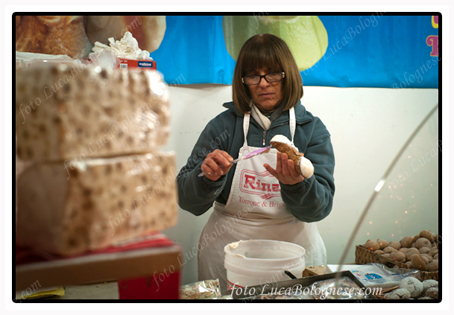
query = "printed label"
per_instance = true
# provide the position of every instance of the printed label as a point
(262, 184)
(263, 204)
(145, 64)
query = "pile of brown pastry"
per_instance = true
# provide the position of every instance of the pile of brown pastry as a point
(412, 252)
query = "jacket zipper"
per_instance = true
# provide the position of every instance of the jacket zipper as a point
(283, 123)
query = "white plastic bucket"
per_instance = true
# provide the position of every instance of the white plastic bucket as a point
(257, 262)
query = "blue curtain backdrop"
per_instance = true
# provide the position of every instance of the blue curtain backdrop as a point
(361, 51)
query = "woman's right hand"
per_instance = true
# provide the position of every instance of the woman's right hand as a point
(216, 164)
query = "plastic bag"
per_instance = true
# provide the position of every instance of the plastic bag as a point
(25, 60)
(127, 47)
(380, 276)
(106, 59)
(207, 289)
(327, 290)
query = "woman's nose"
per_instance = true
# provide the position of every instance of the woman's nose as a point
(263, 82)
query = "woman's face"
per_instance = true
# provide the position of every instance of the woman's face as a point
(265, 95)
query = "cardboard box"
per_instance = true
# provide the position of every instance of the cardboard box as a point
(131, 63)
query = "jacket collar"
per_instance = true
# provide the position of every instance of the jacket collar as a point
(301, 114)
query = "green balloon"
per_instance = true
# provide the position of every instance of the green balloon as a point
(306, 36)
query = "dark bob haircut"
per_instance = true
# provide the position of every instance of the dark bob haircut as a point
(266, 51)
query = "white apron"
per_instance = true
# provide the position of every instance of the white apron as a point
(254, 210)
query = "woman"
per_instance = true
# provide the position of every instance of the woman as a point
(267, 89)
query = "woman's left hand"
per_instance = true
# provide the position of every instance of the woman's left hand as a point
(285, 170)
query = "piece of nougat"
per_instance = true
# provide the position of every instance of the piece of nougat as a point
(69, 111)
(67, 208)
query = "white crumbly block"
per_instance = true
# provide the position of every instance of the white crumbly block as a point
(67, 209)
(67, 111)
(307, 169)
(282, 139)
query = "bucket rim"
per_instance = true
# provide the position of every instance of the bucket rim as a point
(228, 250)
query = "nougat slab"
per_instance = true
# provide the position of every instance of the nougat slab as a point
(69, 111)
(69, 208)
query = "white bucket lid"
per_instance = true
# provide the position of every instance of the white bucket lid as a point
(256, 256)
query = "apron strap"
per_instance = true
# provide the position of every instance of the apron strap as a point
(292, 123)
(246, 119)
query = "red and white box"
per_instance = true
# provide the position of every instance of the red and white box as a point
(131, 63)
(142, 64)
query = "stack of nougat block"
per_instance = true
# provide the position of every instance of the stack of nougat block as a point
(94, 174)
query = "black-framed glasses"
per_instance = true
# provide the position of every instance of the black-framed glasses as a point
(269, 77)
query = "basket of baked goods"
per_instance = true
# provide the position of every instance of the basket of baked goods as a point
(412, 252)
